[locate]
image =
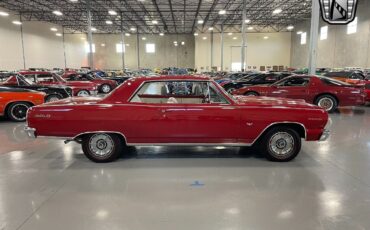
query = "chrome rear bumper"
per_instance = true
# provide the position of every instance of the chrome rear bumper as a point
(325, 135)
(31, 132)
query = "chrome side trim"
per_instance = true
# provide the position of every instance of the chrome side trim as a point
(282, 122)
(190, 144)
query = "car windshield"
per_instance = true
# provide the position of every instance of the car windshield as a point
(25, 80)
(334, 81)
(58, 78)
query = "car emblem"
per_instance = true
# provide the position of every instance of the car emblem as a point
(338, 12)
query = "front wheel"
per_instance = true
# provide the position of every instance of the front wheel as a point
(52, 98)
(105, 88)
(281, 144)
(83, 93)
(253, 94)
(327, 102)
(18, 111)
(102, 147)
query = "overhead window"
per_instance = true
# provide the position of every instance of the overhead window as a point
(324, 33)
(87, 48)
(150, 48)
(303, 38)
(120, 47)
(352, 27)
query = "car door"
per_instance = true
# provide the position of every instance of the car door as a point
(216, 121)
(292, 87)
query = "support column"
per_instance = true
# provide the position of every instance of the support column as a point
(123, 44)
(222, 47)
(211, 49)
(64, 49)
(23, 54)
(314, 36)
(243, 59)
(138, 47)
(89, 38)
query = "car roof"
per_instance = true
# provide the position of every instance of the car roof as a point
(33, 72)
(172, 78)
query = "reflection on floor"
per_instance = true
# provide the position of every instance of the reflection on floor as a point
(45, 184)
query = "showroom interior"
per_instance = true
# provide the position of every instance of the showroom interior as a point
(185, 114)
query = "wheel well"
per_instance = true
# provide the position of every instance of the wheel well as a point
(299, 128)
(322, 94)
(11, 103)
(251, 91)
(78, 138)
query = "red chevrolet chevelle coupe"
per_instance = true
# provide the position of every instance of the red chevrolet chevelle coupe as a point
(179, 110)
(325, 92)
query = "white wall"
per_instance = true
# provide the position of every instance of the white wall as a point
(260, 52)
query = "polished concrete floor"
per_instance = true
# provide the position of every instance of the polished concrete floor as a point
(45, 184)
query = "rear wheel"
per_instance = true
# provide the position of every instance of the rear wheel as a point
(52, 98)
(281, 144)
(18, 111)
(105, 88)
(83, 93)
(102, 147)
(251, 93)
(327, 102)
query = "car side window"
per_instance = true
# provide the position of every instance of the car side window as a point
(30, 77)
(177, 92)
(45, 77)
(296, 81)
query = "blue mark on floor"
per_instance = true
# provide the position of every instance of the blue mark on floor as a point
(197, 184)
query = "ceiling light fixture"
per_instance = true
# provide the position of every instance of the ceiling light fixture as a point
(210, 28)
(73, 0)
(112, 12)
(17, 22)
(93, 29)
(4, 14)
(200, 21)
(222, 12)
(143, 38)
(102, 45)
(161, 34)
(57, 12)
(58, 34)
(196, 34)
(299, 32)
(53, 29)
(247, 21)
(154, 22)
(265, 37)
(230, 34)
(290, 27)
(109, 22)
(132, 28)
(235, 38)
(250, 28)
(277, 11)
(127, 34)
(182, 43)
(204, 38)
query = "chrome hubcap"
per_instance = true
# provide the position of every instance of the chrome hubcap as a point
(326, 103)
(101, 145)
(19, 112)
(83, 93)
(105, 88)
(281, 144)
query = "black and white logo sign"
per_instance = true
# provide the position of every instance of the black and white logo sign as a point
(338, 11)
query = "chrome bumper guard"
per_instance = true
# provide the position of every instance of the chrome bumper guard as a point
(325, 135)
(31, 132)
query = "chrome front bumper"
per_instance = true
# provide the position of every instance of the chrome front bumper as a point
(325, 135)
(31, 132)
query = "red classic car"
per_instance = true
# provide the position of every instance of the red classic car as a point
(104, 85)
(14, 102)
(179, 110)
(79, 88)
(325, 92)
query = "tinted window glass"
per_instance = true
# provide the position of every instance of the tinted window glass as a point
(295, 81)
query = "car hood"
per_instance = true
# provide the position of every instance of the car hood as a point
(273, 102)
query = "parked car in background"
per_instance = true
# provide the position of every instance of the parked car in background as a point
(322, 91)
(104, 85)
(179, 110)
(53, 93)
(15, 102)
(254, 79)
(351, 77)
(79, 88)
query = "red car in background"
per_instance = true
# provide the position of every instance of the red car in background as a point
(104, 85)
(79, 88)
(325, 92)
